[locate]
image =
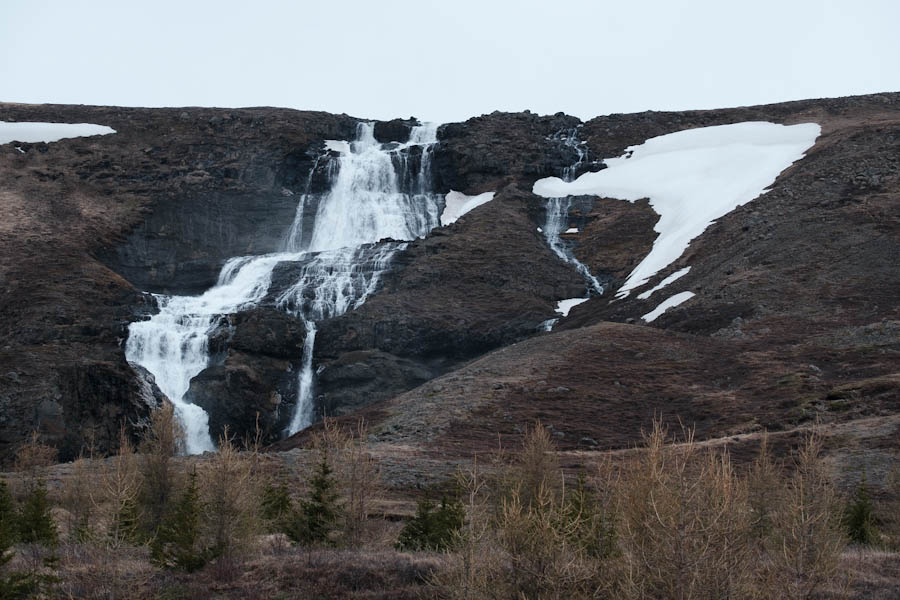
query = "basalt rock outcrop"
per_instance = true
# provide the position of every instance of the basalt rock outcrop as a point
(792, 319)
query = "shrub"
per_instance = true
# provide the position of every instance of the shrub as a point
(859, 516)
(230, 501)
(807, 538)
(162, 441)
(35, 523)
(685, 522)
(433, 528)
(13, 584)
(120, 491)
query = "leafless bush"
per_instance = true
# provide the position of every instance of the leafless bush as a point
(471, 570)
(230, 499)
(76, 500)
(31, 460)
(685, 523)
(806, 542)
(162, 441)
(118, 494)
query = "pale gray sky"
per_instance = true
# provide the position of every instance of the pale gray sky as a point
(446, 60)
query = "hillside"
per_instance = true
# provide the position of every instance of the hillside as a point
(793, 320)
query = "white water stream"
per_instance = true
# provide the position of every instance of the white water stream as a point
(557, 220)
(374, 195)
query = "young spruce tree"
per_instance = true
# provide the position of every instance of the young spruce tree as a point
(178, 542)
(319, 511)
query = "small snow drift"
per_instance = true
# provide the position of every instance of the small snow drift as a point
(692, 178)
(33, 131)
(671, 302)
(564, 306)
(674, 276)
(458, 204)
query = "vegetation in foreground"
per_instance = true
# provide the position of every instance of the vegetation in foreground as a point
(671, 520)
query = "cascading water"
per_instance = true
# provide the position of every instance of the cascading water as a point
(557, 219)
(374, 195)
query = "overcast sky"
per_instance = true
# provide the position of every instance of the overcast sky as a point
(446, 60)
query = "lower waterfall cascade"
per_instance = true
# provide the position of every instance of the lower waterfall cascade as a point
(376, 193)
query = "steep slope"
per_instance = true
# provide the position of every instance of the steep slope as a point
(794, 314)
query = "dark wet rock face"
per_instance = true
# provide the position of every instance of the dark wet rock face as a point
(486, 152)
(253, 376)
(395, 130)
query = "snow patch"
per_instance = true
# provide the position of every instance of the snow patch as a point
(33, 132)
(573, 230)
(667, 304)
(458, 204)
(692, 178)
(676, 275)
(564, 306)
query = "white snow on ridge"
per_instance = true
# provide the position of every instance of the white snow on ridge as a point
(671, 302)
(458, 204)
(676, 275)
(692, 178)
(564, 306)
(33, 131)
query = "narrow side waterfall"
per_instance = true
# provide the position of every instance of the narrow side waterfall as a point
(557, 219)
(375, 194)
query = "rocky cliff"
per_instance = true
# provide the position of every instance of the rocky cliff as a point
(795, 314)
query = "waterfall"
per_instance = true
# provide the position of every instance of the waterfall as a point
(373, 196)
(557, 216)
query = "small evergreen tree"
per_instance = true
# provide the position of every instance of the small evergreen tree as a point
(584, 518)
(319, 511)
(433, 528)
(178, 543)
(859, 516)
(36, 524)
(8, 529)
(13, 584)
(277, 508)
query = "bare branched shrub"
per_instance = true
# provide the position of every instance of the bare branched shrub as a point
(361, 482)
(546, 555)
(230, 502)
(528, 535)
(807, 540)
(685, 523)
(118, 494)
(163, 440)
(535, 468)
(76, 500)
(473, 568)
(32, 458)
(764, 483)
